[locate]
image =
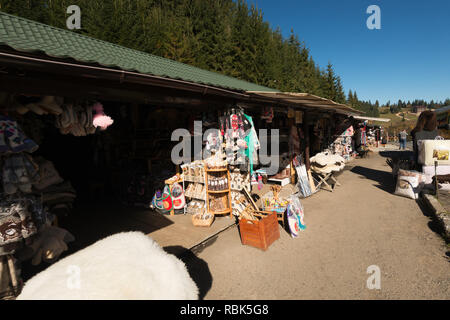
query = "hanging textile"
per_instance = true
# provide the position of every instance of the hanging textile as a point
(12, 138)
(16, 222)
(252, 144)
(19, 173)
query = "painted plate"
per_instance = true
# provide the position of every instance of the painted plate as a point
(293, 222)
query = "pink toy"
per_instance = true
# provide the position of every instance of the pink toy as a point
(100, 118)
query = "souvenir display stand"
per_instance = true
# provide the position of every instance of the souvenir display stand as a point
(231, 179)
(194, 184)
(343, 145)
(218, 191)
(239, 180)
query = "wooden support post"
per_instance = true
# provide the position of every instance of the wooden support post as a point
(13, 274)
(307, 142)
(436, 185)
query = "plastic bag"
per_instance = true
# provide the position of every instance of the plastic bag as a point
(295, 216)
(409, 183)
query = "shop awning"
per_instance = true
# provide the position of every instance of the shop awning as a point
(372, 119)
(306, 101)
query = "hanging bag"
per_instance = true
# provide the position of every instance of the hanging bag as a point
(178, 199)
(158, 202)
(167, 199)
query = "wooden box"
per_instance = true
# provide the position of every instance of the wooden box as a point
(260, 233)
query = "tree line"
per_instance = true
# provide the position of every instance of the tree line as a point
(431, 105)
(225, 36)
(370, 109)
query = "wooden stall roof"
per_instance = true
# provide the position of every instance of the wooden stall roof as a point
(306, 101)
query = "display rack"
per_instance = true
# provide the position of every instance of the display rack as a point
(189, 178)
(219, 173)
(239, 180)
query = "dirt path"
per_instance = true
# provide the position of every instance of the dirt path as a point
(401, 117)
(361, 224)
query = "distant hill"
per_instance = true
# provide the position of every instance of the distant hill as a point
(396, 124)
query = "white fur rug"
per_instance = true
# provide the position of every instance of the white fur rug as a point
(125, 266)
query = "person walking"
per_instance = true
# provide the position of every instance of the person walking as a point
(384, 139)
(402, 137)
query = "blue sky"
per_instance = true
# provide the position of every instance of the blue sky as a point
(408, 58)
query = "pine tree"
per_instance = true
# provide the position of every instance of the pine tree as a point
(350, 97)
(226, 36)
(340, 95)
(330, 89)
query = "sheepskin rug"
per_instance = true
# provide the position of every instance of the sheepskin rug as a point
(125, 266)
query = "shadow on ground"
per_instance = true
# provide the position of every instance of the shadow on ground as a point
(198, 269)
(397, 154)
(383, 178)
(91, 222)
(433, 224)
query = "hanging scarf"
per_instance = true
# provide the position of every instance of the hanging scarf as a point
(250, 139)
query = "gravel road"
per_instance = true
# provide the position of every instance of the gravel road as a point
(359, 225)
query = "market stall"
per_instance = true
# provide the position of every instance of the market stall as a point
(87, 138)
(60, 150)
(232, 181)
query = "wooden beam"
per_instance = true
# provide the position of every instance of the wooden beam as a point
(307, 140)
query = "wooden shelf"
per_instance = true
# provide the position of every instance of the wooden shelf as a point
(217, 170)
(193, 181)
(187, 180)
(221, 191)
(220, 212)
(196, 198)
(227, 192)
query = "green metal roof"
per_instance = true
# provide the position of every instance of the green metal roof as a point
(30, 36)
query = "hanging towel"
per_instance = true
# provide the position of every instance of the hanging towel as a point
(252, 143)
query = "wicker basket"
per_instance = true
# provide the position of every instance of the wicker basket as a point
(198, 222)
(260, 233)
